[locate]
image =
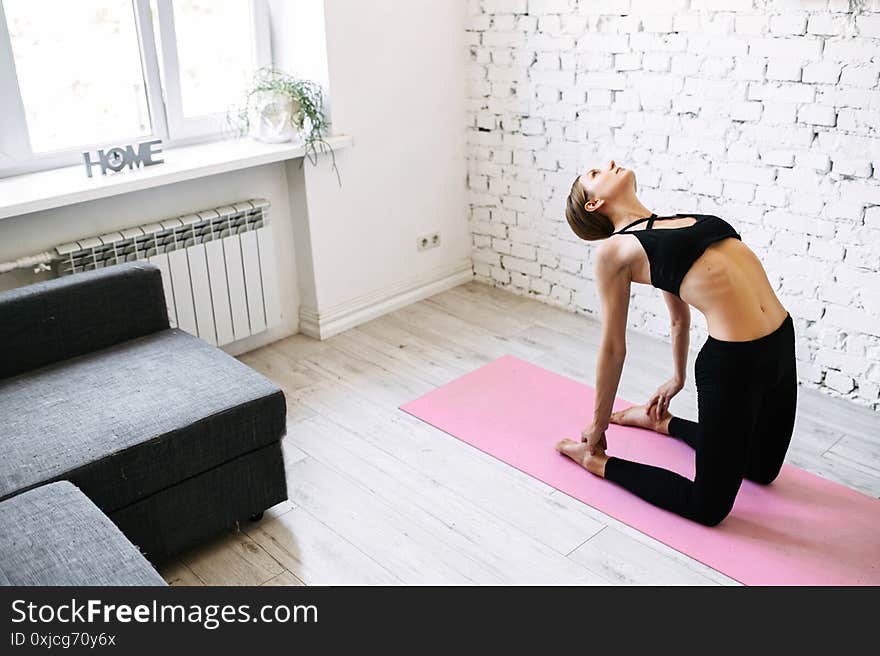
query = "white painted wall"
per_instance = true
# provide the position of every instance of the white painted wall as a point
(765, 112)
(394, 71)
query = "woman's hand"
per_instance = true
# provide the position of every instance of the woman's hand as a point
(595, 440)
(658, 404)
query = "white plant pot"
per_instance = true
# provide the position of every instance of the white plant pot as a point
(271, 118)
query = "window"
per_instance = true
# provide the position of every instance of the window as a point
(77, 76)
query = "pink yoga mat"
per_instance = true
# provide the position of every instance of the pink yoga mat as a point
(801, 529)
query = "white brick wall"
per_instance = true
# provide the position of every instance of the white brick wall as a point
(765, 112)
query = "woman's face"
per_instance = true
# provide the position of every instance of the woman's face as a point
(608, 183)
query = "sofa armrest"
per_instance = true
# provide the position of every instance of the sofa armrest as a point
(68, 316)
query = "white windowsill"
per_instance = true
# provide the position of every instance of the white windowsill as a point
(33, 192)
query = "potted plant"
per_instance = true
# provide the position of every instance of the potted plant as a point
(279, 107)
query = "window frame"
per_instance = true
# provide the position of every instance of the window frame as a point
(200, 127)
(164, 104)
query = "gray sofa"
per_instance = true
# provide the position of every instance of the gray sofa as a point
(171, 438)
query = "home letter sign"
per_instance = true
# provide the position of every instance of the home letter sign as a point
(119, 157)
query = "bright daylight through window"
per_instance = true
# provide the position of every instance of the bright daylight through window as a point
(123, 71)
(82, 57)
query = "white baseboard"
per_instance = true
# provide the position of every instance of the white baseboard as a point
(334, 320)
(260, 339)
(322, 325)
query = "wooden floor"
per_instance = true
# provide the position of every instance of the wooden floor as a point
(378, 497)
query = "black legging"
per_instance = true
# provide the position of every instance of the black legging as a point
(746, 399)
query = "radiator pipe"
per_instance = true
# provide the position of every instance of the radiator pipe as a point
(40, 262)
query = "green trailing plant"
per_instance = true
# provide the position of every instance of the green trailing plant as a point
(309, 119)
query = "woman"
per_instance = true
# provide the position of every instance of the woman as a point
(745, 372)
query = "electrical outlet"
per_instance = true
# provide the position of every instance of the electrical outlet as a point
(431, 240)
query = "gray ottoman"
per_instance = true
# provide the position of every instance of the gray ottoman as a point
(53, 535)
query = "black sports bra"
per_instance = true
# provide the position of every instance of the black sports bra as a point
(672, 251)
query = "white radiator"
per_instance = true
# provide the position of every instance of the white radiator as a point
(218, 267)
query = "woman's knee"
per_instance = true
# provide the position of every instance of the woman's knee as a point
(711, 509)
(765, 477)
(712, 516)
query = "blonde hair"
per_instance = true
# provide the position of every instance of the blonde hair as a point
(589, 226)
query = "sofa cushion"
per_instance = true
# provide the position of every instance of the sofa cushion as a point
(53, 535)
(60, 318)
(129, 420)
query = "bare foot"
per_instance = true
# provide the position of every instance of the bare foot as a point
(637, 415)
(579, 452)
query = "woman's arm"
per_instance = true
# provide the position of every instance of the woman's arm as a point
(613, 279)
(680, 316)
